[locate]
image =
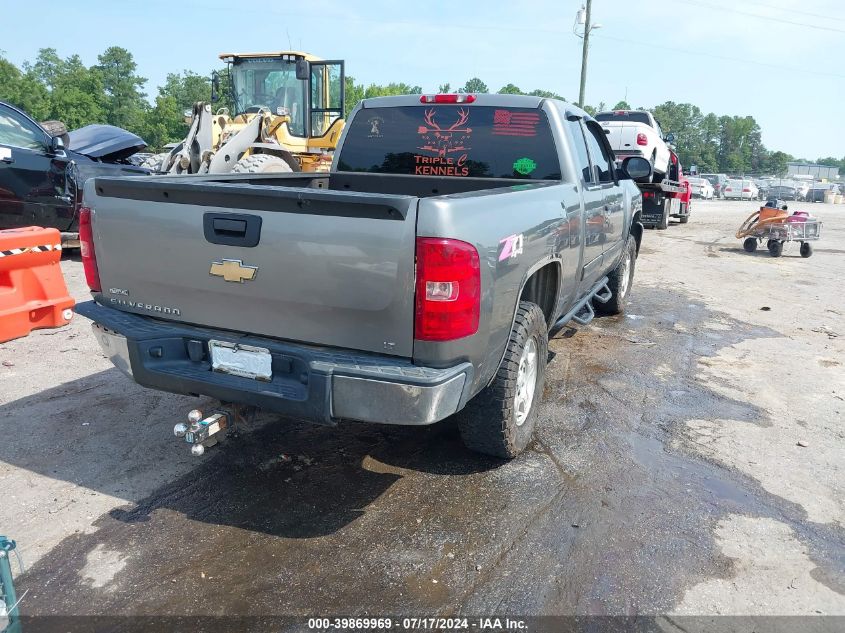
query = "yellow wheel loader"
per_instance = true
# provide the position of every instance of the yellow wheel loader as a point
(288, 116)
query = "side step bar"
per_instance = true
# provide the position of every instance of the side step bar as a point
(583, 311)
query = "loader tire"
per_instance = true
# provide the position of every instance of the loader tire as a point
(154, 162)
(500, 420)
(262, 164)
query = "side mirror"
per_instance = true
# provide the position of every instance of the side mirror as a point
(57, 145)
(636, 168)
(215, 87)
(303, 69)
(669, 138)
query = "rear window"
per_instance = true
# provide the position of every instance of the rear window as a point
(637, 117)
(452, 140)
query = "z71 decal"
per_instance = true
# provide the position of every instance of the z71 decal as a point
(512, 247)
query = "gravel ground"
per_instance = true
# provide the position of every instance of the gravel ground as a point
(690, 461)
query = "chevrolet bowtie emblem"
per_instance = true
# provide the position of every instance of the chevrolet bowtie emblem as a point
(233, 270)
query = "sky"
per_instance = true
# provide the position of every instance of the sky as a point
(780, 61)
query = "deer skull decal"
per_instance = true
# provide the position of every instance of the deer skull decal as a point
(445, 141)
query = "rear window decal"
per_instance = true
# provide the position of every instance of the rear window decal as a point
(510, 123)
(524, 166)
(448, 140)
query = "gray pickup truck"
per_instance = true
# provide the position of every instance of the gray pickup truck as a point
(420, 278)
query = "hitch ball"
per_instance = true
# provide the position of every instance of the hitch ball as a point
(194, 416)
(197, 450)
(180, 429)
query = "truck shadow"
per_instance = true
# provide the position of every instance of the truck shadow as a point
(283, 477)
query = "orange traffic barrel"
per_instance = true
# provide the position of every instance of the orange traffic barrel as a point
(33, 293)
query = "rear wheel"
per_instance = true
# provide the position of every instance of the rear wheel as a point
(620, 281)
(775, 248)
(655, 176)
(262, 164)
(500, 420)
(806, 250)
(750, 244)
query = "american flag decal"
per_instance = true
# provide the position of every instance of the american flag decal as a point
(508, 123)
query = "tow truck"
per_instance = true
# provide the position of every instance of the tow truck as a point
(670, 197)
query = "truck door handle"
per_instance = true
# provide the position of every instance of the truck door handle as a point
(232, 229)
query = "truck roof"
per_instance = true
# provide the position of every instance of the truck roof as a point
(482, 99)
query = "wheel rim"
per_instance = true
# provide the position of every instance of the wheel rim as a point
(526, 382)
(625, 281)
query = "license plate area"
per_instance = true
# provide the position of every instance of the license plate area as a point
(245, 361)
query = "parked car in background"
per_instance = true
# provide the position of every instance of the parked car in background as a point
(803, 189)
(42, 172)
(637, 133)
(762, 187)
(701, 187)
(786, 191)
(737, 189)
(718, 181)
(817, 192)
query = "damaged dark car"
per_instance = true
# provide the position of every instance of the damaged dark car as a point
(43, 168)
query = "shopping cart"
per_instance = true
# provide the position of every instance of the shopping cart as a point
(776, 226)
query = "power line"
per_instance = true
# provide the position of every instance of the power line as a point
(803, 71)
(761, 17)
(824, 16)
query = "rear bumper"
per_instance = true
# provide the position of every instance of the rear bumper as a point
(317, 384)
(622, 154)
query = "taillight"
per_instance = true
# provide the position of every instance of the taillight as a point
(447, 98)
(642, 139)
(86, 249)
(448, 289)
(746, 190)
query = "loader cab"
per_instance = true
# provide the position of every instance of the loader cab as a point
(308, 90)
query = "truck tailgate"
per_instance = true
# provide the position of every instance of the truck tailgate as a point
(621, 135)
(329, 267)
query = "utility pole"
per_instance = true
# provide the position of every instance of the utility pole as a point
(583, 18)
(584, 53)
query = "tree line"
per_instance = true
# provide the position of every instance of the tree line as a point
(111, 91)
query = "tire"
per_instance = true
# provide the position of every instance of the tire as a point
(155, 162)
(775, 248)
(498, 421)
(620, 281)
(654, 174)
(262, 164)
(684, 218)
(806, 250)
(750, 244)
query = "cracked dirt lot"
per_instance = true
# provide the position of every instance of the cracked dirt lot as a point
(667, 478)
